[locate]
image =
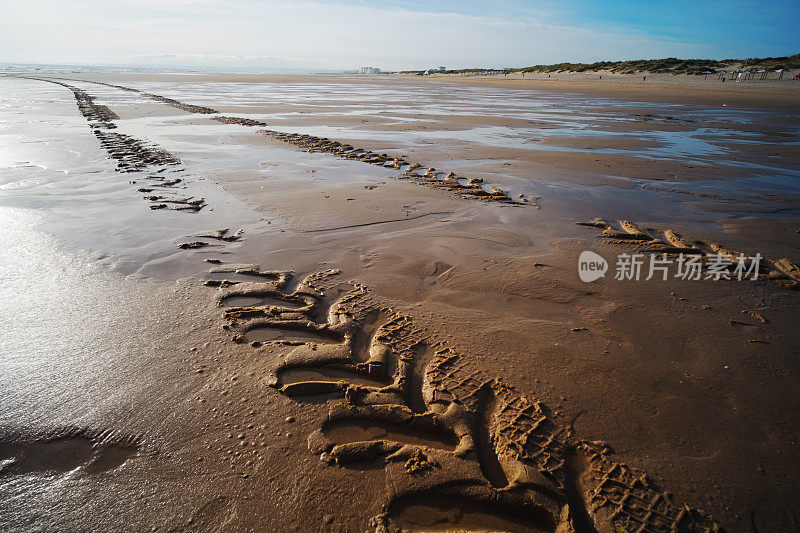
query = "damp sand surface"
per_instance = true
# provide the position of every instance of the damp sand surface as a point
(102, 300)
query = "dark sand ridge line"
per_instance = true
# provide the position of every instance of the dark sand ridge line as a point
(379, 222)
(509, 461)
(133, 155)
(472, 188)
(781, 271)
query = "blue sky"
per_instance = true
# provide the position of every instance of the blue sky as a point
(397, 34)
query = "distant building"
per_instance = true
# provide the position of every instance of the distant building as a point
(442, 69)
(369, 70)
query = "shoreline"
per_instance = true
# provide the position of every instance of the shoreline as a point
(658, 88)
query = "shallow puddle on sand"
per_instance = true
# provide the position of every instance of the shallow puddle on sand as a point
(63, 455)
(267, 334)
(258, 301)
(296, 375)
(442, 514)
(367, 430)
(237, 276)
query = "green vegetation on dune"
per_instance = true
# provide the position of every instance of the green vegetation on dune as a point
(671, 65)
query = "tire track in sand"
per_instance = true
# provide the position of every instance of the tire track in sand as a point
(667, 241)
(475, 454)
(470, 188)
(133, 155)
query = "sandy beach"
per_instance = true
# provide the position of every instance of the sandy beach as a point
(353, 303)
(649, 87)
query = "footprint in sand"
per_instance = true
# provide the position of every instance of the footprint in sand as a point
(64, 451)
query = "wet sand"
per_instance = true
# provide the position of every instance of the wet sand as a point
(372, 346)
(650, 87)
